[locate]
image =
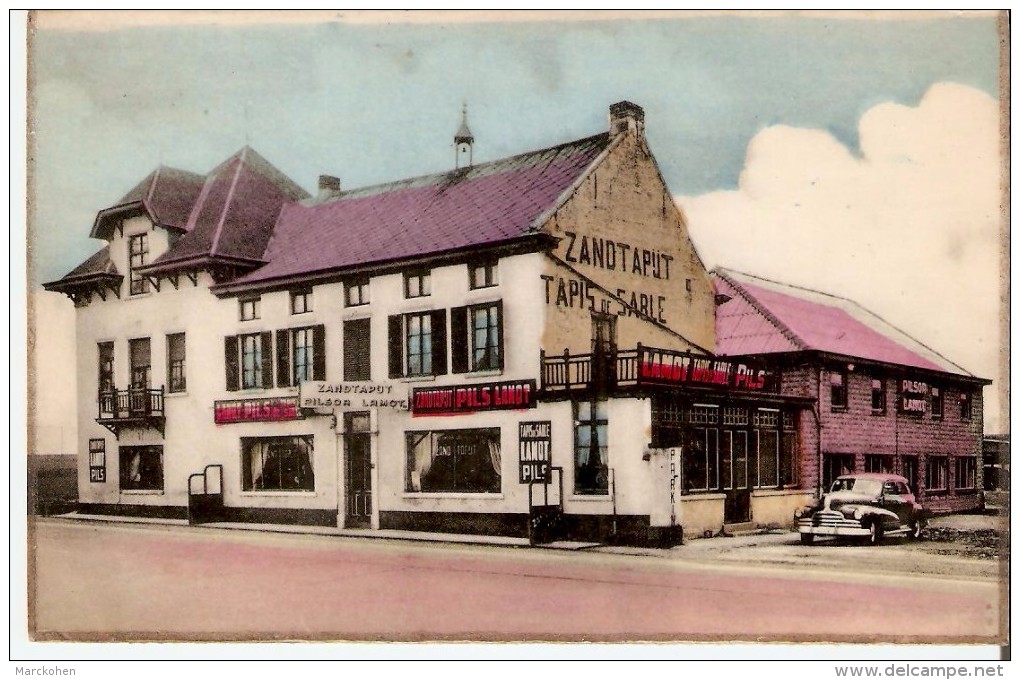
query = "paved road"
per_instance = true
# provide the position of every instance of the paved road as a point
(147, 581)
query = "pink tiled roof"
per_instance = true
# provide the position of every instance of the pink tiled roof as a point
(483, 204)
(765, 317)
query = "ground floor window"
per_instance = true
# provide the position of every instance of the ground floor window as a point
(277, 463)
(141, 468)
(464, 461)
(591, 447)
(834, 465)
(909, 470)
(937, 476)
(878, 463)
(966, 472)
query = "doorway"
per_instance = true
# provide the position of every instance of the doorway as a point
(358, 470)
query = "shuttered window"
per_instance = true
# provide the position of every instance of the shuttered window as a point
(476, 337)
(300, 355)
(248, 361)
(357, 349)
(417, 344)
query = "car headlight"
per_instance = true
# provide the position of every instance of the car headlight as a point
(798, 513)
(858, 514)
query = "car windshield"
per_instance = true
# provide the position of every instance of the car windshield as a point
(867, 487)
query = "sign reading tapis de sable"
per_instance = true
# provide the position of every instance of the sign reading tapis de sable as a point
(458, 399)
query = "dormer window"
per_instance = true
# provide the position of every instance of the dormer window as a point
(301, 301)
(138, 255)
(418, 284)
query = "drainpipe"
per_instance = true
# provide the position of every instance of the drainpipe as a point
(816, 412)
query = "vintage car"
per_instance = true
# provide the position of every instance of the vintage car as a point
(868, 506)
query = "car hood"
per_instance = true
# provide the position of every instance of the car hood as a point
(837, 499)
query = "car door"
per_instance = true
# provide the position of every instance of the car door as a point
(895, 498)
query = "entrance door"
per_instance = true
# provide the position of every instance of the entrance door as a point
(358, 470)
(733, 455)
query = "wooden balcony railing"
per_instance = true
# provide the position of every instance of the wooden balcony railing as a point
(133, 406)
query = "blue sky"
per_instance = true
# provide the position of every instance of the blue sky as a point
(373, 102)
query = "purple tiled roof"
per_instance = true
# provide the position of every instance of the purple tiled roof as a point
(234, 214)
(483, 204)
(166, 194)
(765, 317)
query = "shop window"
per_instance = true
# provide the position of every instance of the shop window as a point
(704, 414)
(878, 463)
(909, 470)
(695, 461)
(106, 383)
(476, 337)
(454, 461)
(251, 309)
(141, 468)
(768, 458)
(356, 292)
(483, 275)
(417, 344)
(300, 355)
(734, 415)
(937, 403)
(966, 406)
(176, 377)
(591, 447)
(358, 349)
(834, 465)
(248, 361)
(766, 417)
(966, 473)
(301, 301)
(138, 246)
(734, 459)
(789, 466)
(878, 395)
(937, 475)
(141, 363)
(838, 389)
(418, 284)
(277, 464)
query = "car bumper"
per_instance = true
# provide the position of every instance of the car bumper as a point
(832, 527)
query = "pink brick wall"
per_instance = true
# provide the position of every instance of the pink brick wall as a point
(858, 431)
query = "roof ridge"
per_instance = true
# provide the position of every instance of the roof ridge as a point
(785, 330)
(375, 188)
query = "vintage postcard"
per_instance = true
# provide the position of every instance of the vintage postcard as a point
(534, 326)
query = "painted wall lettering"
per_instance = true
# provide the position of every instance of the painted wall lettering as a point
(97, 461)
(913, 396)
(616, 256)
(578, 294)
(318, 394)
(535, 451)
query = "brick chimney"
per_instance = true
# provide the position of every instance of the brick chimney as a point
(329, 187)
(626, 116)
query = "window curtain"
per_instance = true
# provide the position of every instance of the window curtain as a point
(421, 451)
(495, 456)
(256, 461)
(135, 468)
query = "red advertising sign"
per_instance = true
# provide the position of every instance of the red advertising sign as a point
(456, 400)
(666, 367)
(256, 410)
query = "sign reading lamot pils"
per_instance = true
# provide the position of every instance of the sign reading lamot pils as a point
(455, 400)
(269, 410)
(320, 394)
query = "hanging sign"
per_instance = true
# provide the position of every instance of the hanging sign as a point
(457, 400)
(97, 461)
(668, 367)
(535, 450)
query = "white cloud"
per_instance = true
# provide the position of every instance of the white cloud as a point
(909, 228)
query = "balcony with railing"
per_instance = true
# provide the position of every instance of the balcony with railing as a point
(650, 366)
(134, 407)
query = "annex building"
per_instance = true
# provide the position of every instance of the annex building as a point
(529, 346)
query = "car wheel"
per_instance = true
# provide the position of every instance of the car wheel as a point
(916, 530)
(807, 539)
(875, 537)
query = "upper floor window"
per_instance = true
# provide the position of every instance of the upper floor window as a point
(417, 344)
(176, 377)
(138, 255)
(358, 349)
(251, 309)
(966, 406)
(418, 284)
(837, 386)
(106, 367)
(248, 361)
(356, 293)
(301, 301)
(477, 337)
(483, 274)
(300, 355)
(878, 394)
(140, 357)
(937, 402)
